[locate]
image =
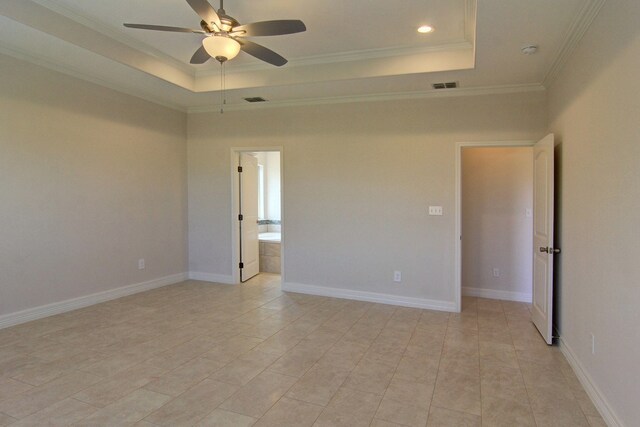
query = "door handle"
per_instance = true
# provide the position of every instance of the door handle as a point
(550, 251)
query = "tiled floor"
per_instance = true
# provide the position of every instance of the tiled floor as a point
(217, 355)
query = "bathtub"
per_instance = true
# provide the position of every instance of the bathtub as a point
(271, 236)
(269, 252)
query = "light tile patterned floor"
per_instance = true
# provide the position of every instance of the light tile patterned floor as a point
(218, 355)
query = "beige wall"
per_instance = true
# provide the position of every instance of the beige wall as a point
(595, 113)
(358, 179)
(91, 180)
(497, 190)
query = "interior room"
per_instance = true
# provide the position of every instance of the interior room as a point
(445, 198)
(497, 222)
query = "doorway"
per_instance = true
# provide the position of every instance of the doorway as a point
(494, 220)
(543, 247)
(257, 226)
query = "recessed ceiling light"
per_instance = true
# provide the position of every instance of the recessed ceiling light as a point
(425, 29)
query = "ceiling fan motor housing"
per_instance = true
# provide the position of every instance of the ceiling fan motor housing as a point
(228, 22)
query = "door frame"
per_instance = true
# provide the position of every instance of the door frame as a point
(458, 206)
(235, 195)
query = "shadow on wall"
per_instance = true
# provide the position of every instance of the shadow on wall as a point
(557, 238)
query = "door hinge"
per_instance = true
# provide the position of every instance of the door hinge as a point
(239, 168)
(241, 265)
(240, 217)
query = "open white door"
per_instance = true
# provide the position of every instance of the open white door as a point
(543, 250)
(249, 245)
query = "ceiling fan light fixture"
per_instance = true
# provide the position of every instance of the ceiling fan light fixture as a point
(221, 47)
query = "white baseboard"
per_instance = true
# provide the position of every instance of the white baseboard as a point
(210, 277)
(35, 313)
(597, 397)
(369, 296)
(494, 294)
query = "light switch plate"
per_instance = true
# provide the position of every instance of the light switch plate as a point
(435, 210)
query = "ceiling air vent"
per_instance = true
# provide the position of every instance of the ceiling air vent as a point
(255, 99)
(448, 85)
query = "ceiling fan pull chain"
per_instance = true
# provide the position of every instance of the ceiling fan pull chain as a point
(221, 87)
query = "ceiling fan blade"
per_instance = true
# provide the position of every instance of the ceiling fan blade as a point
(204, 9)
(164, 28)
(261, 52)
(200, 56)
(272, 28)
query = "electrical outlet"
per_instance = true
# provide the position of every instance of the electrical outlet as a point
(593, 344)
(496, 272)
(141, 264)
(397, 276)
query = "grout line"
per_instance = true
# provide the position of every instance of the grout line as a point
(526, 388)
(435, 381)
(395, 369)
(371, 305)
(267, 367)
(298, 379)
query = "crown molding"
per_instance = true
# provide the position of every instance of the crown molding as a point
(470, 18)
(575, 33)
(335, 58)
(110, 32)
(394, 96)
(73, 72)
(443, 93)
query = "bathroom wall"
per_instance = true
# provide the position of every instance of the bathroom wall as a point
(270, 161)
(272, 177)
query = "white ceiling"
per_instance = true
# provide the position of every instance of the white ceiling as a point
(356, 49)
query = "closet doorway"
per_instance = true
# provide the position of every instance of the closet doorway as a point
(494, 220)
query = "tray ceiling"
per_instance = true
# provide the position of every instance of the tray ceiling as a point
(357, 49)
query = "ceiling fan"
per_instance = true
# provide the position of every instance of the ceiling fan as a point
(225, 36)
